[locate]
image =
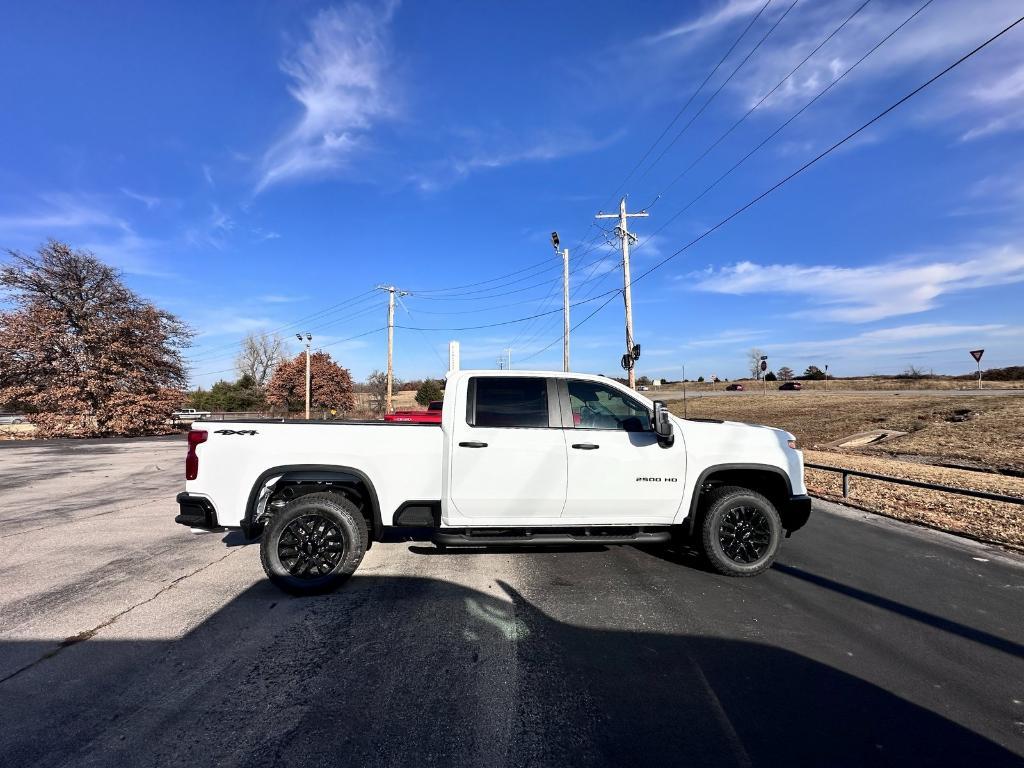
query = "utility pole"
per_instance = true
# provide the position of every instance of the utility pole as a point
(308, 339)
(565, 300)
(391, 339)
(622, 230)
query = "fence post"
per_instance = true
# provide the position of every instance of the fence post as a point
(846, 485)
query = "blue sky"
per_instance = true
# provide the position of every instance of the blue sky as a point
(255, 165)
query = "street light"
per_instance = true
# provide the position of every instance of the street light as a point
(308, 340)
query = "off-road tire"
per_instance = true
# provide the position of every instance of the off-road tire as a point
(341, 522)
(731, 508)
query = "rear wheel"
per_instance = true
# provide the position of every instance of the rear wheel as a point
(741, 531)
(314, 544)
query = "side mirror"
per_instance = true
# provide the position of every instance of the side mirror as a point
(662, 423)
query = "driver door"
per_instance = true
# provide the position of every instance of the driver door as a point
(618, 471)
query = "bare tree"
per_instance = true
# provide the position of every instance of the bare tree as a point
(377, 385)
(754, 362)
(260, 354)
(786, 373)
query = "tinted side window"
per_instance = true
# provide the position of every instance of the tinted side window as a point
(595, 406)
(511, 402)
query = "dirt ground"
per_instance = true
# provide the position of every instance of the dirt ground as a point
(985, 433)
(978, 518)
(861, 384)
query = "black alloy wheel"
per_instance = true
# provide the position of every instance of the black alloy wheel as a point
(311, 546)
(314, 543)
(740, 531)
(745, 534)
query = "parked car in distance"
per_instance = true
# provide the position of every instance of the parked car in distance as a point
(430, 416)
(734, 388)
(12, 418)
(642, 388)
(189, 413)
(792, 385)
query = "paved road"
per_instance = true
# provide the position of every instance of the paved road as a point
(126, 640)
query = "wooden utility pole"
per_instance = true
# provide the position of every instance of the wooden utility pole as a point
(388, 406)
(623, 233)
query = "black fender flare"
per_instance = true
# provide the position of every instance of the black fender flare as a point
(691, 519)
(313, 472)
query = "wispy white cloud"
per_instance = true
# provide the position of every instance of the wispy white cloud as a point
(1002, 103)
(265, 234)
(497, 149)
(56, 213)
(340, 77)
(873, 292)
(726, 338)
(213, 231)
(150, 201)
(719, 16)
(899, 344)
(989, 97)
(87, 222)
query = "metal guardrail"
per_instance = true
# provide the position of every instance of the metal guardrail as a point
(847, 473)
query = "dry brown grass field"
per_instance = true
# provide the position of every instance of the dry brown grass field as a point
(983, 433)
(867, 383)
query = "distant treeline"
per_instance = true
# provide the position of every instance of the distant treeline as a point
(1010, 373)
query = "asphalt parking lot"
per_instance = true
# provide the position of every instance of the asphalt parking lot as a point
(127, 640)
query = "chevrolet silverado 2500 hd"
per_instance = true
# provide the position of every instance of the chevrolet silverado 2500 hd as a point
(518, 458)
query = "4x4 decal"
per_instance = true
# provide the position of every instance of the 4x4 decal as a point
(236, 432)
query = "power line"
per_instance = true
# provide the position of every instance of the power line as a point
(795, 115)
(529, 330)
(724, 83)
(348, 303)
(825, 153)
(689, 100)
(763, 99)
(496, 325)
(481, 282)
(322, 346)
(779, 129)
(429, 295)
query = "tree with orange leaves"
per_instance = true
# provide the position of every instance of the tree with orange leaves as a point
(331, 384)
(81, 352)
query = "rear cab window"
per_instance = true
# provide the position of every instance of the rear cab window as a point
(509, 401)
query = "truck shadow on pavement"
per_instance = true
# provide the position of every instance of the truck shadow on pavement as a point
(414, 671)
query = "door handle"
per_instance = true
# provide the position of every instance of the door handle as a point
(586, 446)
(472, 444)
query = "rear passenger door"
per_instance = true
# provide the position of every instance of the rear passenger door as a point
(508, 455)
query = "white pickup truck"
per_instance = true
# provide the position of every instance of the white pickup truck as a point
(519, 457)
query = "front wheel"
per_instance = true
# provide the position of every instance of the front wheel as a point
(741, 531)
(314, 544)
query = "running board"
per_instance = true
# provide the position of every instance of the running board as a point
(483, 537)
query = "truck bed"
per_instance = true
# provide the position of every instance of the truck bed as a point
(404, 459)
